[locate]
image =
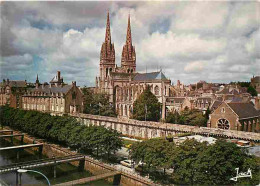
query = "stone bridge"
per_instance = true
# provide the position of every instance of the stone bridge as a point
(149, 129)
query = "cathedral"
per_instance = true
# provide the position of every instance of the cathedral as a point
(123, 84)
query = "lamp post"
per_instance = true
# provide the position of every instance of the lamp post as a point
(145, 107)
(25, 170)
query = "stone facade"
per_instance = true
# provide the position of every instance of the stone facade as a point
(123, 84)
(255, 82)
(54, 97)
(235, 116)
(11, 92)
(180, 103)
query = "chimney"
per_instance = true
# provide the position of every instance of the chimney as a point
(58, 74)
(7, 81)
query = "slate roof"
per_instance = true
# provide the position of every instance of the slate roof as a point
(224, 91)
(120, 75)
(15, 83)
(47, 89)
(177, 100)
(244, 110)
(236, 99)
(215, 104)
(150, 76)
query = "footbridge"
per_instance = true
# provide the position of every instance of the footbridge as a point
(5, 131)
(90, 179)
(10, 136)
(43, 162)
(21, 147)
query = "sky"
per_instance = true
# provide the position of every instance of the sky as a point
(215, 41)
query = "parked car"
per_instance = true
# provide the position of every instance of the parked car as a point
(127, 163)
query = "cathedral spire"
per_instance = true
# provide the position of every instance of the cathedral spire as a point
(108, 34)
(128, 35)
(128, 54)
(37, 79)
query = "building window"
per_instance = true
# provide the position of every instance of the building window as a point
(223, 124)
(223, 110)
(156, 90)
(74, 95)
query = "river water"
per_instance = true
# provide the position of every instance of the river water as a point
(65, 171)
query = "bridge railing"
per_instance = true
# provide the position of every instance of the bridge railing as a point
(33, 162)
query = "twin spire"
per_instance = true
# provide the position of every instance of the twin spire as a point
(108, 33)
(107, 55)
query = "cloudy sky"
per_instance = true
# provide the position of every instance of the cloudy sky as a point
(190, 41)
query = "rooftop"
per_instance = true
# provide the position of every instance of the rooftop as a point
(244, 110)
(150, 76)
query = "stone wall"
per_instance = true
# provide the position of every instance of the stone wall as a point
(93, 166)
(148, 129)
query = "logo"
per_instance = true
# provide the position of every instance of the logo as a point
(242, 174)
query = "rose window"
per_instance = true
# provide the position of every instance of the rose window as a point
(223, 124)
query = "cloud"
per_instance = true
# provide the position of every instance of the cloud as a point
(190, 41)
(196, 66)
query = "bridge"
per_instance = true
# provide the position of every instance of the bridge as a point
(4, 131)
(21, 147)
(90, 179)
(18, 148)
(41, 163)
(12, 135)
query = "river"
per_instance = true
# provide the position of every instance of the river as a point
(65, 172)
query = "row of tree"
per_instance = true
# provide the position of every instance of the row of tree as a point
(188, 117)
(64, 130)
(196, 163)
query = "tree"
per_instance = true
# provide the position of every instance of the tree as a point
(184, 158)
(253, 163)
(188, 117)
(216, 164)
(63, 130)
(97, 103)
(152, 152)
(251, 90)
(146, 107)
(112, 141)
(173, 117)
(242, 84)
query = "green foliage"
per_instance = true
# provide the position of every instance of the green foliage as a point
(97, 104)
(242, 84)
(146, 107)
(251, 90)
(188, 117)
(153, 152)
(184, 158)
(172, 117)
(63, 130)
(198, 163)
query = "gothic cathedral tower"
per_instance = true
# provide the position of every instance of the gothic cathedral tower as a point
(128, 60)
(107, 54)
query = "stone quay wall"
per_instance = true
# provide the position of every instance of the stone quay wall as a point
(93, 166)
(148, 129)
